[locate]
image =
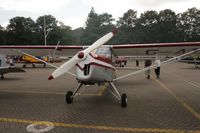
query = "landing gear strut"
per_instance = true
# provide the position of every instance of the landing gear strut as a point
(115, 93)
(2, 77)
(113, 90)
(70, 95)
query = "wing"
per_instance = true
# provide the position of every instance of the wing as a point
(176, 58)
(4, 70)
(119, 50)
(38, 50)
(167, 49)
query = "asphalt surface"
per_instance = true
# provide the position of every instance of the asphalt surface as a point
(171, 104)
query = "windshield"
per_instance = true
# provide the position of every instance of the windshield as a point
(104, 51)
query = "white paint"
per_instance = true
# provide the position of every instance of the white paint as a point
(40, 127)
(3, 60)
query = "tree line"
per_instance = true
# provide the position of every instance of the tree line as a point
(150, 27)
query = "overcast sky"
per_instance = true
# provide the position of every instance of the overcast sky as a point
(74, 12)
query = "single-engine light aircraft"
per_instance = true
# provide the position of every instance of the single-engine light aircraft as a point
(5, 68)
(29, 60)
(95, 64)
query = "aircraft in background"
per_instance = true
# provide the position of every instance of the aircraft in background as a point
(25, 59)
(191, 60)
(5, 68)
(95, 64)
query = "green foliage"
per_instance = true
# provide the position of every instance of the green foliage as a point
(150, 27)
(20, 30)
(127, 27)
(189, 24)
(50, 23)
(2, 35)
(147, 27)
(129, 19)
(96, 26)
(23, 30)
(167, 29)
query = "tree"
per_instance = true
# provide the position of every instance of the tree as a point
(96, 26)
(48, 21)
(64, 34)
(129, 19)
(20, 30)
(167, 26)
(148, 27)
(2, 35)
(49, 25)
(189, 24)
(127, 25)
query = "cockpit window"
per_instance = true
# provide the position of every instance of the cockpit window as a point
(104, 51)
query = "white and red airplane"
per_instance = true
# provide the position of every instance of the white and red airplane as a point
(95, 64)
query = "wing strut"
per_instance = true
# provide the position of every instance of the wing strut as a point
(162, 63)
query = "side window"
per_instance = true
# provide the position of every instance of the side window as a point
(152, 52)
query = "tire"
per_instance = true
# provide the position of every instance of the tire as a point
(124, 100)
(69, 98)
(2, 77)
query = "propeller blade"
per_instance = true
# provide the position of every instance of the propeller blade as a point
(99, 42)
(81, 56)
(64, 67)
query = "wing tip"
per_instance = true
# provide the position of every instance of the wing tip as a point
(50, 77)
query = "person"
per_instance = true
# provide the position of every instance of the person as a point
(147, 63)
(137, 62)
(157, 70)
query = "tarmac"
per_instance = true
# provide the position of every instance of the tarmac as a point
(170, 104)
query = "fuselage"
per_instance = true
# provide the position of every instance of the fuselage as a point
(97, 67)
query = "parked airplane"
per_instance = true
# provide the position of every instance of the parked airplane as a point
(191, 60)
(5, 68)
(29, 60)
(95, 64)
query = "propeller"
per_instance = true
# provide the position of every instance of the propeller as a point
(81, 55)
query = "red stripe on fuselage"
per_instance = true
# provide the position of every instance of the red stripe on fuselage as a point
(95, 64)
(102, 58)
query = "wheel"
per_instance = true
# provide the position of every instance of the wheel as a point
(24, 66)
(33, 65)
(69, 98)
(124, 100)
(2, 77)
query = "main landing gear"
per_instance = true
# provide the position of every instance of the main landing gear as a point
(2, 76)
(123, 98)
(70, 95)
(113, 90)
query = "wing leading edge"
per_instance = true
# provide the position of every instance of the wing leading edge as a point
(39, 50)
(167, 49)
(119, 50)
